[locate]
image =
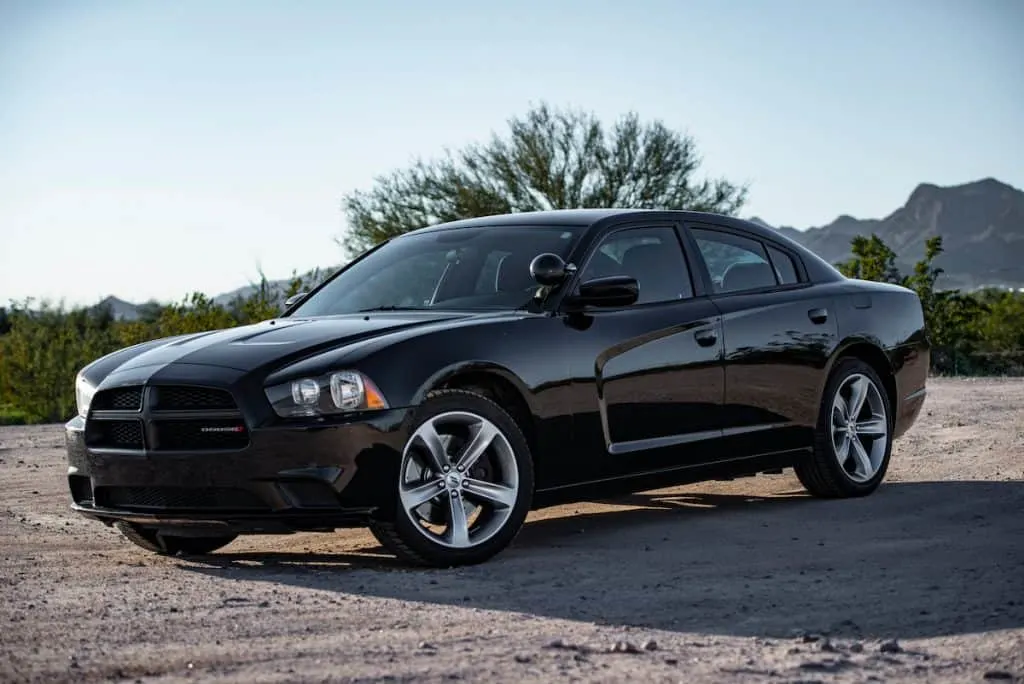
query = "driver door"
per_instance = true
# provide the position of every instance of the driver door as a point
(654, 369)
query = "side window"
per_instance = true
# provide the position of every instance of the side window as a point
(785, 269)
(651, 255)
(735, 263)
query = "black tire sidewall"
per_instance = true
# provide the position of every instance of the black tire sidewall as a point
(843, 370)
(434, 553)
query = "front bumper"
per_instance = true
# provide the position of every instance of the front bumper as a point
(289, 478)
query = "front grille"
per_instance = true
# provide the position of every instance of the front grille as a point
(176, 418)
(196, 434)
(178, 498)
(119, 399)
(191, 399)
(114, 434)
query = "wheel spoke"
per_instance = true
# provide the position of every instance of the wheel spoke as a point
(876, 427)
(499, 495)
(864, 467)
(843, 452)
(858, 393)
(421, 494)
(483, 435)
(457, 533)
(839, 407)
(427, 434)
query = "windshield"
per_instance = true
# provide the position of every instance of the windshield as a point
(462, 268)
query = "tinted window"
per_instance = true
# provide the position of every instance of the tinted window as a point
(462, 268)
(735, 263)
(785, 269)
(651, 255)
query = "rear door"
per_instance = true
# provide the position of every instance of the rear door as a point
(778, 333)
(655, 367)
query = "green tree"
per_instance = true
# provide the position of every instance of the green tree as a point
(41, 354)
(548, 159)
(197, 313)
(951, 316)
(1002, 330)
(872, 260)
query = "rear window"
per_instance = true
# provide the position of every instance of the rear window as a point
(785, 268)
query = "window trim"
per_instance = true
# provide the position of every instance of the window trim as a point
(709, 285)
(696, 282)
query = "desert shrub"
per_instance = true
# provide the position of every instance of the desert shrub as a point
(44, 347)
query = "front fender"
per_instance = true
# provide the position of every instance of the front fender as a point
(443, 375)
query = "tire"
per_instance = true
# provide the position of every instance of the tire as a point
(498, 490)
(169, 545)
(826, 473)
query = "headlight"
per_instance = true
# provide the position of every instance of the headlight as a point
(83, 394)
(338, 392)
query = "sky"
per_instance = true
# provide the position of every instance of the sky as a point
(149, 149)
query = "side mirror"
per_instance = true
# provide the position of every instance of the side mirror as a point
(294, 299)
(609, 291)
(550, 269)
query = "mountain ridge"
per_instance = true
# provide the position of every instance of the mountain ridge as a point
(981, 223)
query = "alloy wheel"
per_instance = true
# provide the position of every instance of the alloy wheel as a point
(860, 427)
(459, 479)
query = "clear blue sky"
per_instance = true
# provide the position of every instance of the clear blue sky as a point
(151, 148)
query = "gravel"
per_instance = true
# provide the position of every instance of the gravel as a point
(747, 581)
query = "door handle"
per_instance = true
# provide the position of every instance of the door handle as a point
(706, 337)
(818, 316)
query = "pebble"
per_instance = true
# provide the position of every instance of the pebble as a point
(624, 647)
(890, 646)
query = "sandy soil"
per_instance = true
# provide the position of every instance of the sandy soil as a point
(740, 581)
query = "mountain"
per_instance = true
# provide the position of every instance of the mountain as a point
(981, 224)
(120, 309)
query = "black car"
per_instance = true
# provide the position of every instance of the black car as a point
(447, 381)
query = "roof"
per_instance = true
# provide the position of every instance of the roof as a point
(588, 217)
(558, 217)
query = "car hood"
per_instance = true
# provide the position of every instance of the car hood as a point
(277, 342)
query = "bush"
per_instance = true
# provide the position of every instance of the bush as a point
(45, 347)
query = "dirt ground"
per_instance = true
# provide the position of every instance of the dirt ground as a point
(732, 581)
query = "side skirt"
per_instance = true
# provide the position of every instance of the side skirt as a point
(726, 469)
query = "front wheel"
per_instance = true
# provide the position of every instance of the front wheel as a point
(853, 439)
(465, 483)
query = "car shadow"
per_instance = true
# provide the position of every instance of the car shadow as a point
(912, 560)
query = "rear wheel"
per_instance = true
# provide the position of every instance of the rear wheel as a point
(853, 439)
(465, 483)
(169, 545)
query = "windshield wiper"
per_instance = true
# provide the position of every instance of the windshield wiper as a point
(390, 308)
